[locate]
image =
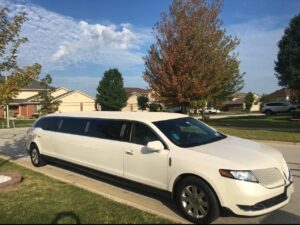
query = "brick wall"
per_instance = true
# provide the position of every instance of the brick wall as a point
(31, 110)
(1, 112)
(27, 111)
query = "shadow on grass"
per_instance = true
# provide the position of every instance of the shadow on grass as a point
(163, 196)
(69, 217)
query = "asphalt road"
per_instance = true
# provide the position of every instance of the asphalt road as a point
(12, 145)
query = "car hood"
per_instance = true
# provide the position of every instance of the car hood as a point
(242, 154)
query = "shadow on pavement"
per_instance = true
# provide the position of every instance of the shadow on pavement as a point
(281, 217)
(13, 145)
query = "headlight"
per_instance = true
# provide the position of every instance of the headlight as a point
(239, 175)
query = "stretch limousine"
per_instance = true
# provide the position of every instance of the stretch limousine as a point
(205, 171)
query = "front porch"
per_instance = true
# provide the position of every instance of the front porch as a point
(24, 111)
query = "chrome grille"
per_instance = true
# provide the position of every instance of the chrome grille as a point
(270, 178)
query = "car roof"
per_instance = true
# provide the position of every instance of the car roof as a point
(137, 116)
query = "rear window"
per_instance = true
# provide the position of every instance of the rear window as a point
(98, 128)
(274, 104)
(50, 123)
(39, 123)
(107, 129)
(72, 126)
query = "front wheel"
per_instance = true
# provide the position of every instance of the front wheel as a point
(36, 158)
(197, 201)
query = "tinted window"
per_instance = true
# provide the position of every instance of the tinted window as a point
(51, 123)
(39, 123)
(274, 104)
(73, 126)
(107, 129)
(143, 134)
(188, 132)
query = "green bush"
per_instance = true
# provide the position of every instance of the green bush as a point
(154, 107)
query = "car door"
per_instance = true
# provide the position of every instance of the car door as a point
(94, 143)
(142, 165)
(44, 136)
(280, 107)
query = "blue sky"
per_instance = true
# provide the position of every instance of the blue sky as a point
(76, 40)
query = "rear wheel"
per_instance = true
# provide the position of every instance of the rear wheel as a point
(36, 158)
(268, 112)
(197, 201)
(291, 110)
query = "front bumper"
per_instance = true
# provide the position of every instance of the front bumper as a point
(250, 199)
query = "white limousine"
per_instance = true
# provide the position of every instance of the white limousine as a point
(205, 171)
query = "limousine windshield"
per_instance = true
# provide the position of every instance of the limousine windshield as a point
(188, 132)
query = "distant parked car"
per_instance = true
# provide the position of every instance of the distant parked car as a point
(277, 107)
(210, 110)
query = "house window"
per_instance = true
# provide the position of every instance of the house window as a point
(37, 108)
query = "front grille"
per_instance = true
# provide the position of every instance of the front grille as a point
(269, 178)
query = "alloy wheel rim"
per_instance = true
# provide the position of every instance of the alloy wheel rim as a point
(194, 202)
(34, 156)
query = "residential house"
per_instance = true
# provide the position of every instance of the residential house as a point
(237, 103)
(133, 93)
(21, 106)
(283, 94)
(27, 103)
(74, 101)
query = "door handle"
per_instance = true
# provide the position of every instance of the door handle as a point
(129, 152)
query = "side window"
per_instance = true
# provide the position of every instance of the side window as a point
(107, 129)
(72, 125)
(51, 123)
(142, 134)
(39, 123)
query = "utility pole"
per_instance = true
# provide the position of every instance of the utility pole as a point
(7, 106)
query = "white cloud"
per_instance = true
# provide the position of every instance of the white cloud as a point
(58, 42)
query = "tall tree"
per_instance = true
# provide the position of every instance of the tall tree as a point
(287, 66)
(249, 100)
(111, 93)
(48, 103)
(193, 59)
(143, 102)
(10, 41)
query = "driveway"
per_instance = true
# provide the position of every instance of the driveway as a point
(12, 145)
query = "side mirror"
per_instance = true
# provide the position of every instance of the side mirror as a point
(155, 146)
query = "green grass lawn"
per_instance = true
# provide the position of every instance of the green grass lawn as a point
(273, 128)
(18, 123)
(280, 121)
(271, 135)
(43, 200)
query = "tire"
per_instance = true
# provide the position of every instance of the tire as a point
(291, 110)
(268, 112)
(200, 208)
(35, 156)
